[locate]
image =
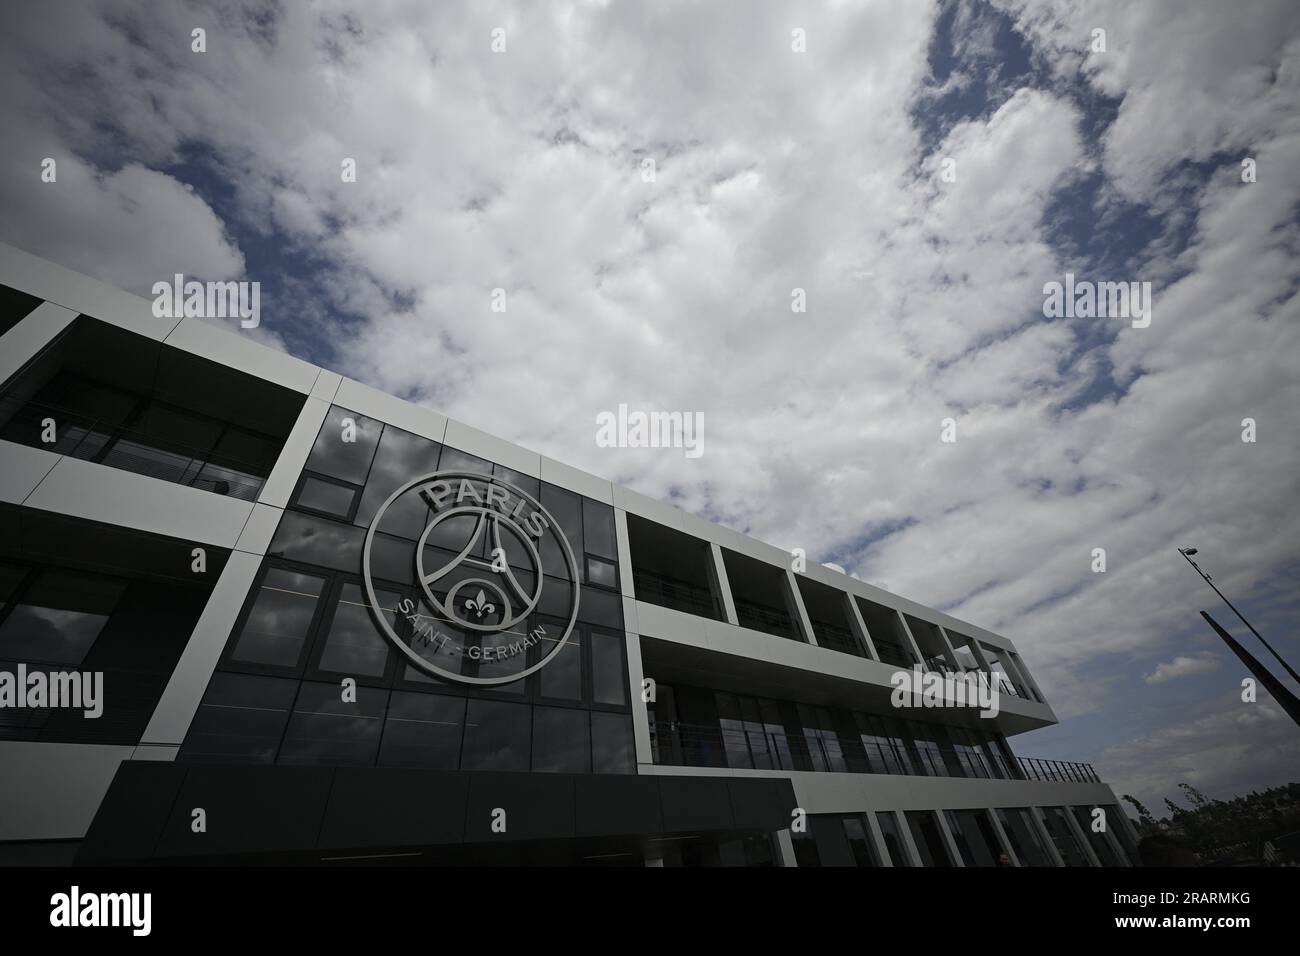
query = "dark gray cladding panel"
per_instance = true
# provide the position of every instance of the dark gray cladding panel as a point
(131, 817)
(695, 803)
(762, 803)
(248, 810)
(147, 814)
(609, 805)
(394, 807)
(538, 806)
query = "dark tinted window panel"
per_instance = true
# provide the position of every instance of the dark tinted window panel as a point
(317, 494)
(893, 837)
(566, 508)
(326, 729)
(14, 307)
(241, 720)
(560, 743)
(59, 617)
(498, 736)
(600, 607)
(611, 743)
(334, 455)
(602, 573)
(928, 839)
(319, 541)
(423, 730)
(561, 679)
(278, 622)
(400, 457)
(353, 645)
(608, 672)
(598, 529)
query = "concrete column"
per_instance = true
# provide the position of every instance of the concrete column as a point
(626, 583)
(911, 641)
(909, 844)
(1081, 837)
(785, 845)
(1003, 840)
(877, 838)
(801, 618)
(949, 840)
(722, 584)
(859, 626)
(640, 708)
(293, 456)
(32, 333)
(1036, 819)
(180, 699)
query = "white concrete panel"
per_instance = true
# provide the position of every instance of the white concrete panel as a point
(648, 508)
(99, 493)
(326, 385)
(259, 529)
(576, 480)
(626, 582)
(180, 699)
(498, 450)
(155, 752)
(51, 791)
(373, 403)
(33, 332)
(631, 621)
(22, 469)
(80, 293)
(640, 716)
(218, 343)
(293, 456)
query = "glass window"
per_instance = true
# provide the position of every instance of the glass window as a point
(805, 848)
(566, 508)
(562, 677)
(598, 529)
(859, 841)
(322, 542)
(602, 573)
(58, 617)
(276, 627)
(241, 720)
(560, 740)
(974, 836)
(929, 841)
(353, 644)
(895, 845)
(608, 673)
(346, 460)
(1058, 828)
(497, 735)
(611, 743)
(400, 457)
(318, 494)
(1023, 837)
(326, 729)
(1098, 841)
(423, 730)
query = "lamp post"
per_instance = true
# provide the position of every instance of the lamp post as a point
(1187, 554)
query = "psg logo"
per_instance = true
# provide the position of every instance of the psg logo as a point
(479, 572)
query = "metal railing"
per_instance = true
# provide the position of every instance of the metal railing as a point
(105, 442)
(762, 617)
(673, 593)
(751, 747)
(1066, 771)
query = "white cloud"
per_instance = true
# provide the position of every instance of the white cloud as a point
(775, 170)
(1182, 666)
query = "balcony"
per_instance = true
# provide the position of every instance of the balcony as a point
(751, 747)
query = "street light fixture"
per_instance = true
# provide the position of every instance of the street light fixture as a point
(1187, 554)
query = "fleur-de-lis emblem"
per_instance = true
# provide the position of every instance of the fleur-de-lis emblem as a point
(480, 605)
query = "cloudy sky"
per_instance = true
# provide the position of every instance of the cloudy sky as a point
(774, 169)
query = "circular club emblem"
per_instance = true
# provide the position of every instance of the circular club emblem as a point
(479, 575)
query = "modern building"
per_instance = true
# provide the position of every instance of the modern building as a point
(321, 624)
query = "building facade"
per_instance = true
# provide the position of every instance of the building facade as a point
(320, 624)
